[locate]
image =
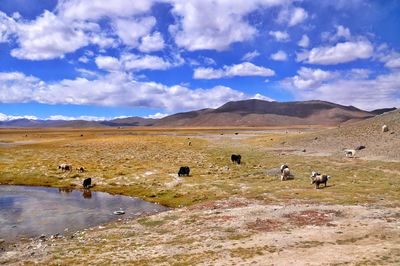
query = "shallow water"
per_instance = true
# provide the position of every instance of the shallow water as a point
(33, 211)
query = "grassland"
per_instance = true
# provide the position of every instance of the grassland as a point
(144, 163)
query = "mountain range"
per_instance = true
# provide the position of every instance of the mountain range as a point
(251, 113)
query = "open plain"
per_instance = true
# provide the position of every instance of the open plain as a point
(223, 213)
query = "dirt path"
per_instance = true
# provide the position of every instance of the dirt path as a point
(230, 232)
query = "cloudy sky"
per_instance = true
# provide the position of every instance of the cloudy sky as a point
(103, 59)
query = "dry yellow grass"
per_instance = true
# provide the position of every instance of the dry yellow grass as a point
(144, 163)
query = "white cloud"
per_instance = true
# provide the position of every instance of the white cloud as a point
(311, 78)
(364, 93)
(243, 69)
(298, 15)
(157, 116)
(342, 33)
(197, 28)
(292, 16)
(83, 117)
(47, 37)
(131, 30)
(250, 55)
(151, 43)
(279, 56)
(134, 62)
(340, 53)
(95, 10)
(7, 27)
(393, 63)
(113, 89)
(280, 36)
(108, 63)
(4, 117)
(304, 41)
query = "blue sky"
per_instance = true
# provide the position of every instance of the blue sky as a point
(103, 59)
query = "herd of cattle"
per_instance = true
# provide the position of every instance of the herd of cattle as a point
(316, 178)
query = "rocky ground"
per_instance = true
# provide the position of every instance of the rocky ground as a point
(235, 231)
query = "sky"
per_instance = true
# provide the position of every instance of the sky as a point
(101, 59)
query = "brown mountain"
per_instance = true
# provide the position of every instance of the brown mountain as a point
(252, 113)
(264, 113)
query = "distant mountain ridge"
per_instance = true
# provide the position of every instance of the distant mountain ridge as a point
(236, 113)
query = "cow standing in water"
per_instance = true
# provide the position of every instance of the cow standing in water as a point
(87, 183)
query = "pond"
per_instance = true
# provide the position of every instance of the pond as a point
(33, 211)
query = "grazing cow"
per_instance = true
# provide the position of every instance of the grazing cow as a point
(318, 179)
(235, 158)
(385, 128)
(285, 174)
(65, 167)
(283, 167)
(87, 183)
(190, 143)
(184, 171)
(80, 169)
(350, 152)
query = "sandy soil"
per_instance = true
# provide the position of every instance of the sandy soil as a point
(235, 231)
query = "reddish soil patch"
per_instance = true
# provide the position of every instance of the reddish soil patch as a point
(222, 218)
(312, 217)
(266, 225)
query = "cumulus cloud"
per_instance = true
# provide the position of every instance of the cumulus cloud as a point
(298, 15)
(128, 62)
(108, 63)
(340, 53)
(151, 43)
(279, 56)
(94, 10)
(7, 27)
(113, 89)
(280, 36)
(360, 91)
(311, 78)
(304, 41)
(243, 69)
(157, 116)
(197, 28)
(47, 37)
(250, 55)
(131, 30)
(342, 33)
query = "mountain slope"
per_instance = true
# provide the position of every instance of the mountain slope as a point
(263, 113)
(368, 133)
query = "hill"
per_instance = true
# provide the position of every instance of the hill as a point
(264, 113)
(368, 133)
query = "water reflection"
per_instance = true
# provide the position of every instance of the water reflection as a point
(32, 211)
